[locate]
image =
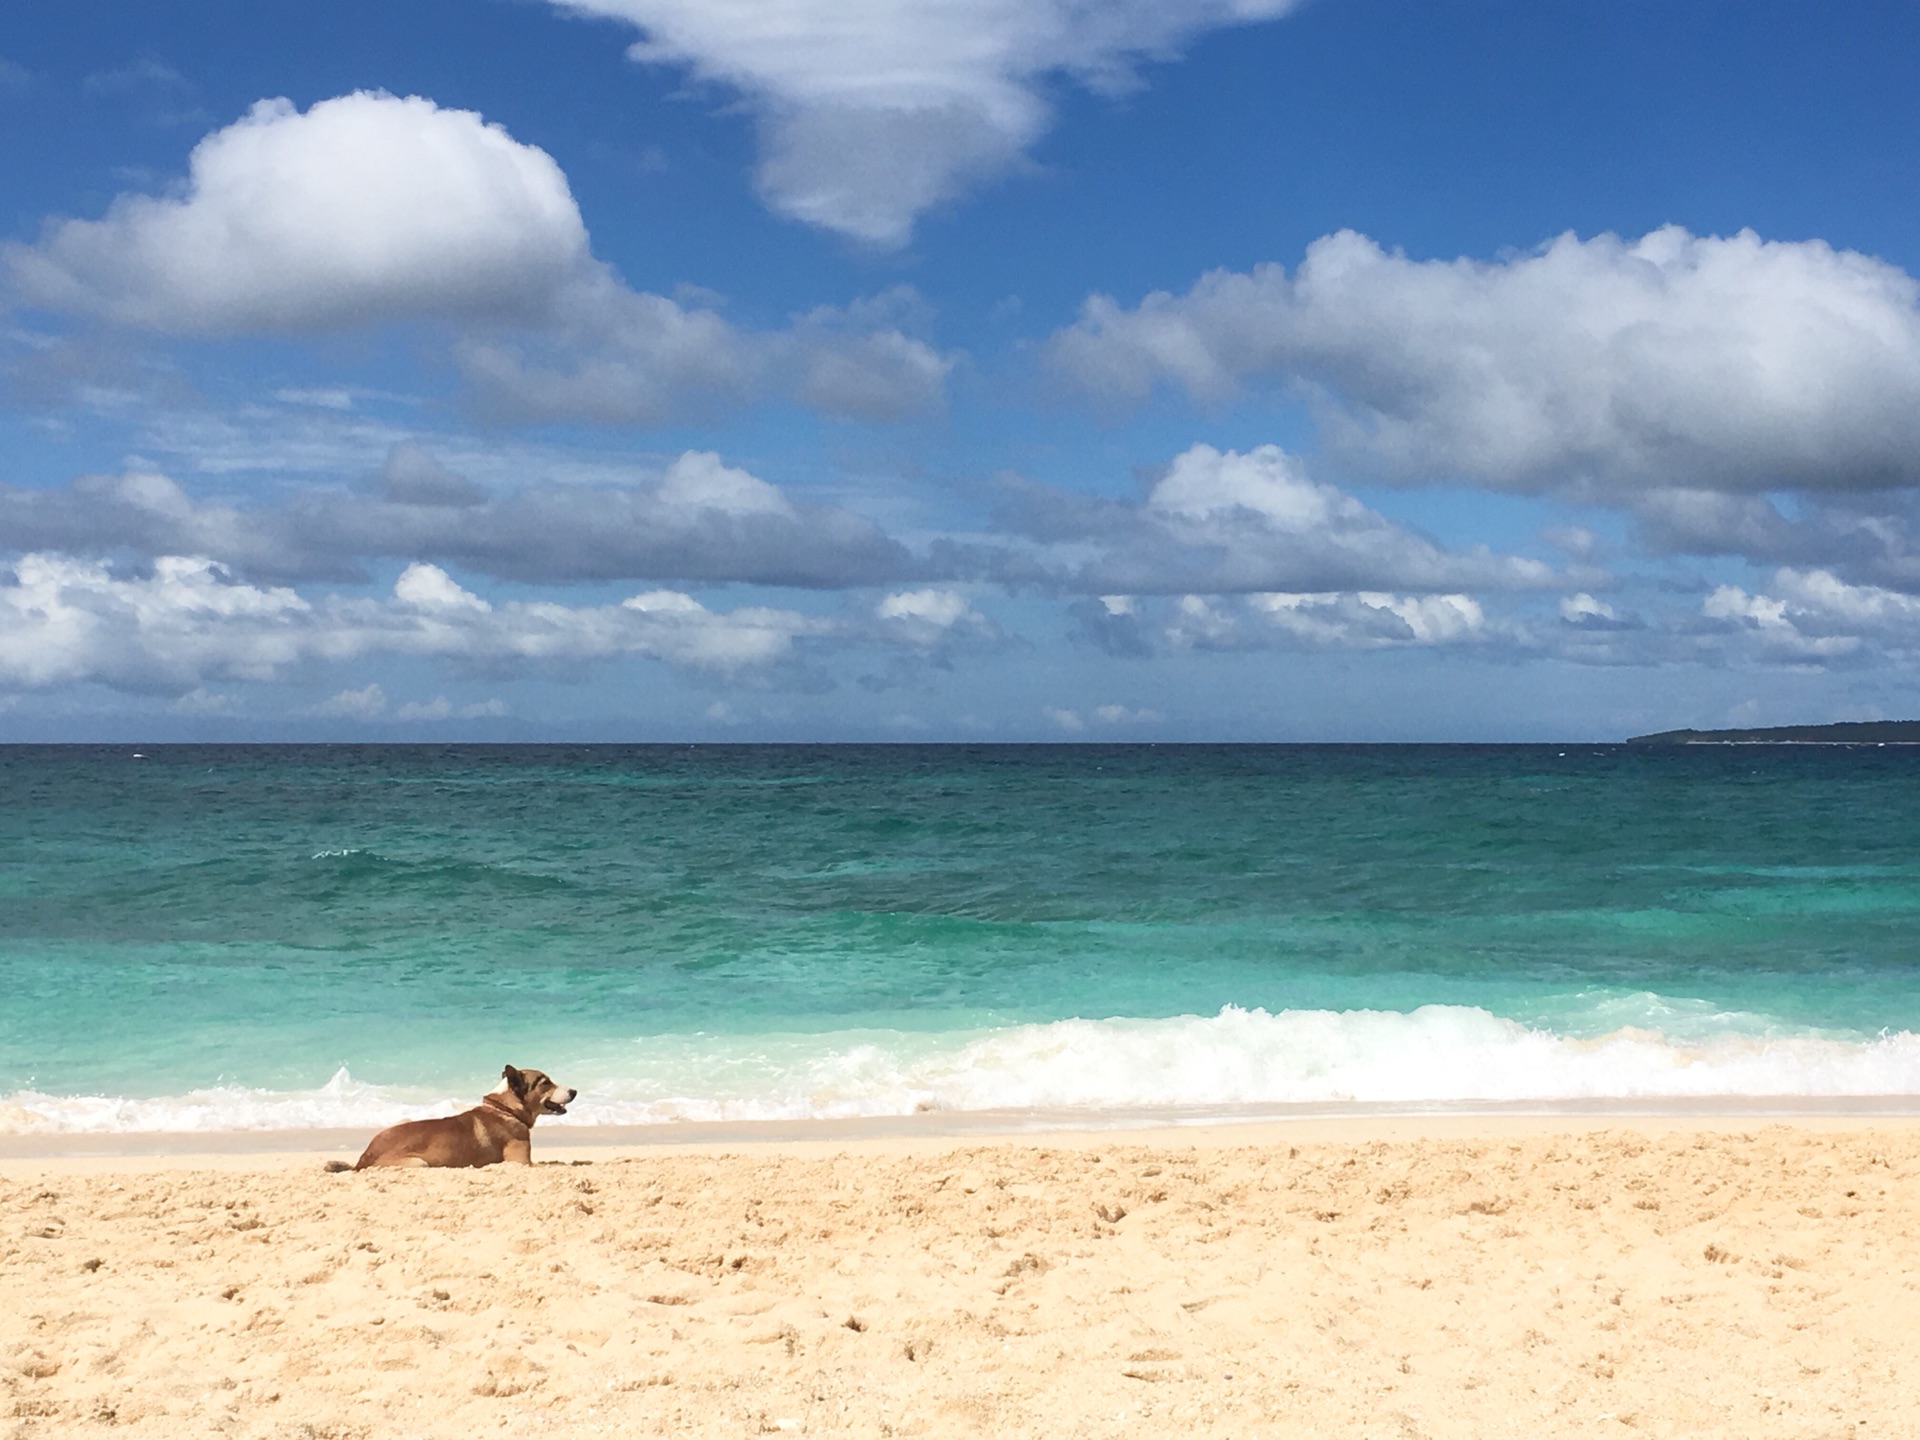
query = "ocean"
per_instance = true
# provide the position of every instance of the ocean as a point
(200, 938)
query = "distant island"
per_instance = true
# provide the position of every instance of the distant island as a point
(1855, 732)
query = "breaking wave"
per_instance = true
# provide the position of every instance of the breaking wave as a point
(1435, 1055)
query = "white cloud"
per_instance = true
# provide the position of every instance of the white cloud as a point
(368, 209)
(1601, 366)
(366, 703)
(1068, 720)
(1813, 616)
(1586, 613)
(872, 111)
(941, 609)
(364, 208)
(1730, 602)
(699, 480)
(428, 587)
(1867, 606)
(65, 621)
(698, 520)
(1202, 622)
(1369, 620)
(1203, 483)
(935, 623)
(1227, 521)
(1121, 715)
(1326, 620)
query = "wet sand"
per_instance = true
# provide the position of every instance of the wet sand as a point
(1383, 1276)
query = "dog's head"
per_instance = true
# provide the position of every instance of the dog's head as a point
(537, 1092)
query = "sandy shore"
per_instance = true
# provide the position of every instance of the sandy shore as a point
(1387, 1278)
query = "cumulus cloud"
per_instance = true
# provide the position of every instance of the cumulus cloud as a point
(1585, 612)
(1580, 629)
(1131, 627)
(700, 520)
(1364, 620)
(365, 208)
(1814, 617)
(1246, 521)
(928, 613)
(1599, 367)
(1803, 619)
(934, 626)
(873, 111)
(1368, 620)
(369, 702)
(1224, 550)
(370, 208)
(65, 621)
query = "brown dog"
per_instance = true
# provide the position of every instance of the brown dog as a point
(498, 1129)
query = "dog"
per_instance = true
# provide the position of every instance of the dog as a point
(499, 1130)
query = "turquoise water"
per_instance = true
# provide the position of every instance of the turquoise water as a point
(260, 936)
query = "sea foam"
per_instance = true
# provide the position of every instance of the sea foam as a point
(1435, 1055)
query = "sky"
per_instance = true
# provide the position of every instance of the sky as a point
(971, 370)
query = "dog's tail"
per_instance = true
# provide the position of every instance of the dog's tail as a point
(334, 1167)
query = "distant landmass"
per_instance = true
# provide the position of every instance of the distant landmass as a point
(1855, 732)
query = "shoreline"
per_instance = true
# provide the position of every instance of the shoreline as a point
(938, 1132)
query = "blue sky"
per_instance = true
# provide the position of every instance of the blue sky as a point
(1203, 369)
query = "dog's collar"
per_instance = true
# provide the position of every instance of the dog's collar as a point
(498, 1103)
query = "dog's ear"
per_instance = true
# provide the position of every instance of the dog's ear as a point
(516, 1081)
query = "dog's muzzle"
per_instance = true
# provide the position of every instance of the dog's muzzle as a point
(557, 1104)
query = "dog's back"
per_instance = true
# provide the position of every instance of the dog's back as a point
(466, 1139)
(497, 1130)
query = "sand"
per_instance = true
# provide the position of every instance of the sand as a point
(1472, 1279)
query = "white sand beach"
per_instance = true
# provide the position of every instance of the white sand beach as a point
(1416, 1278)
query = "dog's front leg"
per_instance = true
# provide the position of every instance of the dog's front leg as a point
(517, 1152)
